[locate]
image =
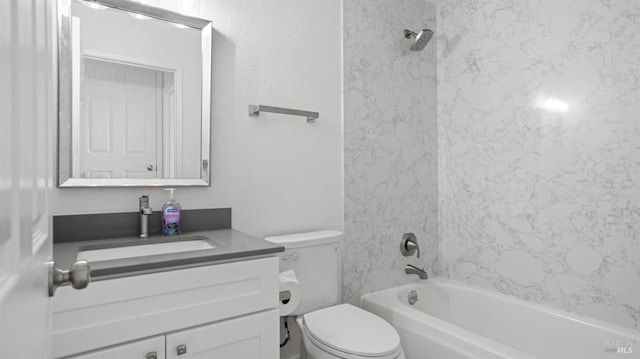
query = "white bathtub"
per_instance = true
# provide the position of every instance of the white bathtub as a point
(456, 320)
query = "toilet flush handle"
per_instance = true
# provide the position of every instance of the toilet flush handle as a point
(291, 257)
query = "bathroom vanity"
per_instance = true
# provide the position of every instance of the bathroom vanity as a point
(135, 111)
(220, 301)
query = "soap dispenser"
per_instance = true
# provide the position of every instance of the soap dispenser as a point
(171, 215)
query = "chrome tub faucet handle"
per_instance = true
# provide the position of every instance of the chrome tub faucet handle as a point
(409, 245)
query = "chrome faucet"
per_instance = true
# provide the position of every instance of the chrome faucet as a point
(145, 212)
(421, 273)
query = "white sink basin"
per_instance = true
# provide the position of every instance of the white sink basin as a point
(144, 249)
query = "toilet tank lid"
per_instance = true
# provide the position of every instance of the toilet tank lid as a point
(306, 239)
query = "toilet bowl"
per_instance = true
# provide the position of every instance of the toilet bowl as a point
(348, 332)
(331, 330)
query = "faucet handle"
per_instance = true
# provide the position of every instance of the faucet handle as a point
(409, 245)
(144, 205)
(144, 201)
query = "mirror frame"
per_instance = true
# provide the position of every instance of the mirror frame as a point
(65, 100)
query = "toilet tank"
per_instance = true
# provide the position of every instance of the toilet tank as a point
(315, 258)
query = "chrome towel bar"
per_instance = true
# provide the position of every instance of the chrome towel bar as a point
(254, 110)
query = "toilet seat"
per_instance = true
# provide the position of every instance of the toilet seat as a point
(350, 332)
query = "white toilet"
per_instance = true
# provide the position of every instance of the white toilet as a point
(329, 330)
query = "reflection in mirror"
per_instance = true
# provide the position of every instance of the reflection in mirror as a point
(134, 95)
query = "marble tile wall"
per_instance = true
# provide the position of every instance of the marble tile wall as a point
(390, 143)
(539, 151)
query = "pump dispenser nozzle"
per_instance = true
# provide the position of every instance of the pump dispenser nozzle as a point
(171, 191)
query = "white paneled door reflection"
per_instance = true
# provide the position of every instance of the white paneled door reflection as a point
(120, 105)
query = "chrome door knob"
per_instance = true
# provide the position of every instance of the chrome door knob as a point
(79, 276)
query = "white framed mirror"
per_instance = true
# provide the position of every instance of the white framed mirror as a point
(134, 96)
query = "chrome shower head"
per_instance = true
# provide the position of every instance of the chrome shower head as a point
(420, 40)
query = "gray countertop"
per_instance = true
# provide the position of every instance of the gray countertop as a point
(230, 244)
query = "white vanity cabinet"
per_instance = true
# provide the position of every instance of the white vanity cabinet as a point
(227, 310)
(152, 348)
(247, 337)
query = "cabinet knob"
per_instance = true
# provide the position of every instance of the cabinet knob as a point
(152, 355)
(181, 349)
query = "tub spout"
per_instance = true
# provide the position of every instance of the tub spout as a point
(411, 269)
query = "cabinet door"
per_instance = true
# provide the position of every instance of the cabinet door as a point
(251, 337)
(152, 348)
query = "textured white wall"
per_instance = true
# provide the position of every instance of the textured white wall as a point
(390, 143)
(279, 173)
(534, 203)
